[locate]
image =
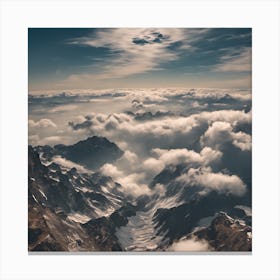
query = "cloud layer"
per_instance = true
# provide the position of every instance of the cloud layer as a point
(157, 129)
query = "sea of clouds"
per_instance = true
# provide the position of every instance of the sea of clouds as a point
(207, 129)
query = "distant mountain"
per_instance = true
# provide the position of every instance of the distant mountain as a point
(144, 116)
(91, 153)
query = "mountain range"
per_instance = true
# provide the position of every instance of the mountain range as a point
(81, 209)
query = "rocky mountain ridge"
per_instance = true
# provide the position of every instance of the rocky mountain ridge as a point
(70, 210)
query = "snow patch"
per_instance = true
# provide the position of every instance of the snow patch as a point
(43, 194)
(34, 198)
(54, 178)
(79, 218)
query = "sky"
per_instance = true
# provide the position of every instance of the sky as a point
(103, 58)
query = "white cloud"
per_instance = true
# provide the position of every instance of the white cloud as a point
(242, 140)
(132, 183)
(111, 170)
(169, 125)
(231, 116)
(164, 157)
(220, 133)
(178, 156)
(209, 155)
(136, 50)
(130, 157)
(69, 164)
(167, 132)
(190, 245)
(153, 165)
(152, 144)
(159, 189)
(217, 134)
(219, 182)
(155, 95)
(42, 123)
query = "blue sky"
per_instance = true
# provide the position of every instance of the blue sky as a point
(90, 58)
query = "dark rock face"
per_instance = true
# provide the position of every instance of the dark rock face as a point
(92, 152)
(103, 230)
(238, 212)
(34, 163)
(149, 115)
(182, 220)
(54, 196)
(50, 231)
(227, 234)
(167, 174)
(72, 211)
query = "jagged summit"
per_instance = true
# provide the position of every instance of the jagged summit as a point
(92, 152)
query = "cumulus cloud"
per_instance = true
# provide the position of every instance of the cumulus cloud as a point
(231, 116)
(165, 157)
(220, 133)
(111, 170)
(153, 165)
(168, 125)
(42, 123)
(132, 183)
(217, 134)
(130, 157)
(177, 156)
(220, 182)
(190, 245)
(242, 140)
(155, 132)
(170, 131)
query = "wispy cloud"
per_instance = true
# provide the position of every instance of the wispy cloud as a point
(102, 58)
(235, 62)
(136, 51)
